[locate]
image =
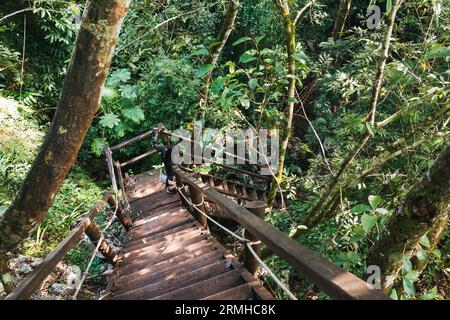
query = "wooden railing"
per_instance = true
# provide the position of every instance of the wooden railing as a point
(333, 280)
(35, 278)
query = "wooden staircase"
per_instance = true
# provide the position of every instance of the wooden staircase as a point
(168, 255)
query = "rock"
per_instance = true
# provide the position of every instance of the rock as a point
(73, 276)
(2, 291)
(8, 282)
(59, 289)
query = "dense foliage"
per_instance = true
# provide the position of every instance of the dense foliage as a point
(157, 75)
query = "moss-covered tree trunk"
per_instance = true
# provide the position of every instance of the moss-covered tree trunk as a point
(425, 209)
(214, 53)
(91, 58)
(289, 29)
(344, 8)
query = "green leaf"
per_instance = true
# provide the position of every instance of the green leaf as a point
(118, 76)
(97, 146)
(409, 288)
(361, 208)
(374, 201)
(437, 253)
(407, 265)
(430, 295)
(200, 52)
(411, 276)
(231, 66)
(421, 254)
(244, 102)
(109, 120)
(240, 40)
(381, 211)
(258, 39)
(246, 57)
(217, 85)
(440, 52)
(253, 83)
(424, 241)
(135, 114)
(368, 222)
(393, 295)
(203, 70)
(388, 6)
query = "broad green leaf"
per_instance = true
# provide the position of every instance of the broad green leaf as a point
(368, 222)
(361, 208)
(135, 114)
(246, 57)
(409, 288)
(412, 275)
(407, 265)
(374, 201)
(388, 6)
(200, 52)
(118, 76)
(440, 52)
(109, 120)
(437, 253)
(253, 83)
(430, 295)
(129, 91)
(240, 40)
(203, 70)
(393, 294)
(231, 66)
(244, 102)
(424, 241)
(381, 211)
(258, 39)
(421, 254)
(217, 85)
(109, 92)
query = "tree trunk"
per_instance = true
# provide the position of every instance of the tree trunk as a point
(78, 104)
(425, 209)
(344, 8)
(289, 29)
(215, 50)
(315, 215)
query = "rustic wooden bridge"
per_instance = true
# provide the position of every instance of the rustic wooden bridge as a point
(169, 252)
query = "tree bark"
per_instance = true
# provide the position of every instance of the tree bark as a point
(315, 215)
(425, 209)
(289, 29)
(344, 8)
(91, 58)
(215, 50)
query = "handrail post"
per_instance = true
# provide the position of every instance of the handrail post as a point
(126, 223)
(126, 209)
(258, 208)
(179, 184)
(95, 235)
(109, 161)
(197, 198)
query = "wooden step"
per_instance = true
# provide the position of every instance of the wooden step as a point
(156, 221)
(191, 251)
(183, 233)
(205, 288)
(161, 236)
(242, 292)
(159, 271)
(160, 250)
(162, 228)
(172, 282)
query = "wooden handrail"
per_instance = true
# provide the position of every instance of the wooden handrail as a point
(131, 141)
(138, 158)
(333, 280)
(34, 279)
